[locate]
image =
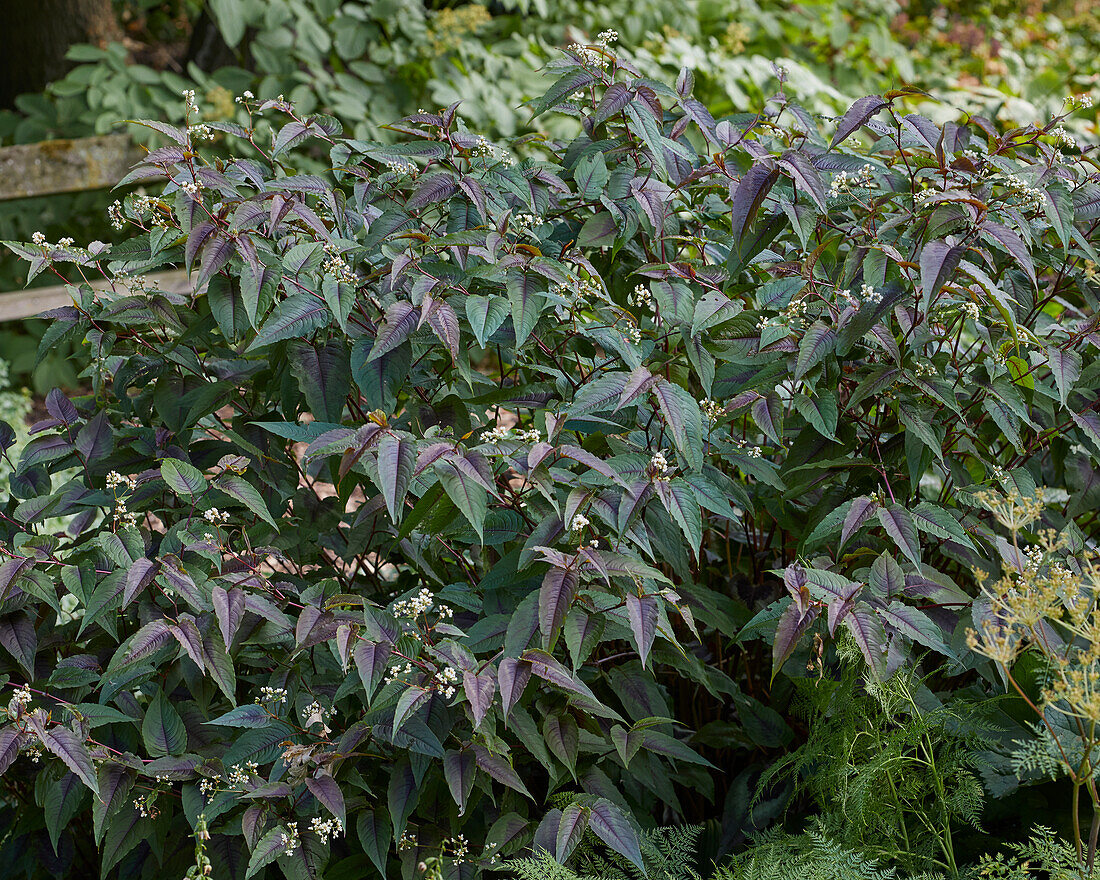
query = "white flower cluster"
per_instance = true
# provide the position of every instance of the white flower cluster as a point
(660, 471)
(200, 132)
(337, 267)
(1079, 102)
(1032, 198)
(1063, 137)
(579, 522)
(459, 848)
(240, 775)
(525, 222)
(634, 334)
(164, 778)
(315, 713)
(246, 96)
(641, 298)
(524, 435)
(844, 181)
(215, 516)
(419, 604)
(750, 450)
(397, 671)
(292, 842)
(207, 788)
(924, 369)
(145, 807)
(590, 57)
(405, 841)
(39, 239)
(34, 752)
(123, 516)
(401, 168)
(447, 680)
(712, 409)
(326, 829)
(272, 695)
(114, 214)
(19, 701)
(867, 294)
(115, 479)
(192, 187)
(488, 150)
(490, 855)
(189, 99)
(971, 310)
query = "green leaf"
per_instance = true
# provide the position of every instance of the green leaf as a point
(591, 175)
(899, 525)
(162, 730)
(182, 478)
(527, 302)
(268, 848)
(468, 495)
(1065, 366)
(296, 316)
(485, 314)
(817, 342)
(239, 489)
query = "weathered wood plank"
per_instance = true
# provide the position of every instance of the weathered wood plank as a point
(62, 166)
(20, 304)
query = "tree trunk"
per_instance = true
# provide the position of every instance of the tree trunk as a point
(36, 34)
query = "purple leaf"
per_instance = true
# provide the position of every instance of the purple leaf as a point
(513, 675)
(902, 530)
(612, 827)
(559, 587)
(571, 827)
(792, 624)
(71, 749)
(459, 769)
(327, 791)
(500, 769)
(642, 611)
(857, 114)
(869, 634)
(229, 606)
(480, 690)
(140, 575)
(862, 510)
(938, 261)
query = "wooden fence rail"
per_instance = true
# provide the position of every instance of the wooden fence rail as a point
(60, 166)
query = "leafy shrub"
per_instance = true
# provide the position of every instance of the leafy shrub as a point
(460, 473)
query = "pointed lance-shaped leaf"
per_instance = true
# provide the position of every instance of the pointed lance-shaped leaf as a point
(612, 827)
(642, 611)
(460, 769)
(790, 628)
(571, 828)
(396, 460)
(480, 689)
(559, 587)
(512, 675)
(938, 261)
(327, 791)
(856, 115)
(899, 525)
(71, 749)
